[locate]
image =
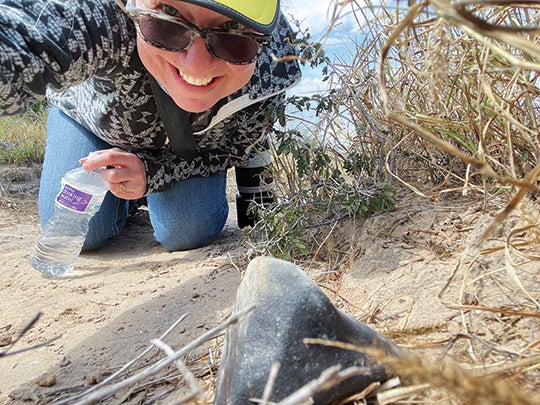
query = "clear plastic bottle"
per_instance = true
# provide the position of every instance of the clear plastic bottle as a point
(80, 197)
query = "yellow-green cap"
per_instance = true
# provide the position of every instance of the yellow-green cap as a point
(259, 15)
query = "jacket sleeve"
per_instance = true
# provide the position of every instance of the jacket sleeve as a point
(46, 44)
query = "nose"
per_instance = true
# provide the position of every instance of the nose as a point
(197, 55)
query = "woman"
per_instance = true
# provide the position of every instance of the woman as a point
(168, 93)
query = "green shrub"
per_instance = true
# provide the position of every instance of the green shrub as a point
(22, 138)
(327, 167)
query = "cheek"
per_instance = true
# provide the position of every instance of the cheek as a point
(240, 76)
(149, 56)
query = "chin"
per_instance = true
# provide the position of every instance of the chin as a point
(194, 108)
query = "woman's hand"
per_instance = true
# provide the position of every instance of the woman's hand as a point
(125, 173)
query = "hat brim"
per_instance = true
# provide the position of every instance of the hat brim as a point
(259, 15)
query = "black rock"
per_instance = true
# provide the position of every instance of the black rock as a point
(290, 307)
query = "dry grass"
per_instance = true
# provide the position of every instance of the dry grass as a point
(22, 138)
(469, 74)
(445, 98)
(22, 146)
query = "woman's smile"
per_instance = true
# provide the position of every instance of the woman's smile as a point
(199, 82)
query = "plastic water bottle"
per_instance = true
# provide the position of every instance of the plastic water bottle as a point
(80, 197)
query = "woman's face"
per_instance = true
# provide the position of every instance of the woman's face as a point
(193, 78)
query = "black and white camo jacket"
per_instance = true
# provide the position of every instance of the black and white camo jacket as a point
(81, 55)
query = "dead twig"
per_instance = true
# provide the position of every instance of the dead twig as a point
(22, 332)
(328, 379)
(196, 390)
(123, 368)
(270, 383)
(106, 392)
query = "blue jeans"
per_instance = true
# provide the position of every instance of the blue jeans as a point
(189, 215)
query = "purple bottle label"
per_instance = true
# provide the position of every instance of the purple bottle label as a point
(74, 199)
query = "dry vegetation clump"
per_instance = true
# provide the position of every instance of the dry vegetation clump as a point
(22, 145)
(443, 98)
(468, 103)
(457, 109)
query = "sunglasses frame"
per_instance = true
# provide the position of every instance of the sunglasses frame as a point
(135, 14)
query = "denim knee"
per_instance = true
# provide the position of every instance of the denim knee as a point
(107, 223)
(197, 233)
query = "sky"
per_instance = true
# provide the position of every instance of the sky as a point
(313, 12)
(315, 15)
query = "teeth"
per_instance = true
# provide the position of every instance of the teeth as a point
(193, 81)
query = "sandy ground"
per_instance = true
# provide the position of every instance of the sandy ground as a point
(413, 279)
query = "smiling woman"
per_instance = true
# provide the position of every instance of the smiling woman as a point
(169, 94)
(179, 54)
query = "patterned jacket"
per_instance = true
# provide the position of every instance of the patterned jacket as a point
(81, 55)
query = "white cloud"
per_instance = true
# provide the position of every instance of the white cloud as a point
(316, 14)
(311, 83)
(313, 14)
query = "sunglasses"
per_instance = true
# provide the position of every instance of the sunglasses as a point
(175, 34)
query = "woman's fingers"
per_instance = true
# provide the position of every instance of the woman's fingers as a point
(125, 172)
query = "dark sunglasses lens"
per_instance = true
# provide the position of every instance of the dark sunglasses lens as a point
(233, 48)
(165, 34)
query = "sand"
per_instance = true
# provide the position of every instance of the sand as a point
(412, 277)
